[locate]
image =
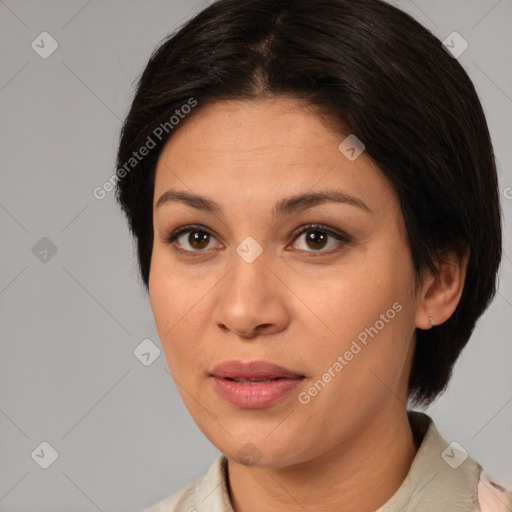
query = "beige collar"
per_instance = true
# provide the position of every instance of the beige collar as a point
(442, 476)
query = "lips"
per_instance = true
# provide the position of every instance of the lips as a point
(253, 371)
(253, 385)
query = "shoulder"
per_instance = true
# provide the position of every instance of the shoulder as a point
(461, 483)
(493, 497)
(182, 500)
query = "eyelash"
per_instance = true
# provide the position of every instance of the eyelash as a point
(341, 237)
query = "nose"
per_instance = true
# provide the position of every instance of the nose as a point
(252, 299)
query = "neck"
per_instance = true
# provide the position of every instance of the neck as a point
(359, 475)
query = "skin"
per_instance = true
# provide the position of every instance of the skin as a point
(296, 305)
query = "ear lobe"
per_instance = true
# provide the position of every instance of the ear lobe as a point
(441, 292)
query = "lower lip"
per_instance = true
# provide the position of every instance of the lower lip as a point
(254, 396)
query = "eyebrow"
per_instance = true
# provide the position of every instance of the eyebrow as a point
(282, 208)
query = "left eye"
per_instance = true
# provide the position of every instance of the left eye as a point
(317, 237)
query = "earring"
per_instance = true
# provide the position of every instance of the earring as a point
(431, 321)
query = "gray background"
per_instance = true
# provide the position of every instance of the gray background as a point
(70, 324)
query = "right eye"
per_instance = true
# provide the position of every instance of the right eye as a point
(197, 237)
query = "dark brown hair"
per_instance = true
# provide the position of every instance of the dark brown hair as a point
(386, 78)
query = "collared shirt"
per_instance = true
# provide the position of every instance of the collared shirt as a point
(442, 478)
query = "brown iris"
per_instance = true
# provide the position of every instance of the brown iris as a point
(316, 239)
(197, 239)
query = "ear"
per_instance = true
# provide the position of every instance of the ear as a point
(440, 293)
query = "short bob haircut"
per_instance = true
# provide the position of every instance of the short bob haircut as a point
(380, 74)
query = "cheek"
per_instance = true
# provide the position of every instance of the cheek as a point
(354, 297)
(369, 311)
(176, 307)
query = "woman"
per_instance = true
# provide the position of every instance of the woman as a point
(313, 192)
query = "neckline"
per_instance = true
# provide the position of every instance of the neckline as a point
(454, 488)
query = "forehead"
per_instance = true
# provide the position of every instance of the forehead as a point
(257, 124)
(262, 150)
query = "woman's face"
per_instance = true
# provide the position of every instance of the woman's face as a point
(334, 305)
